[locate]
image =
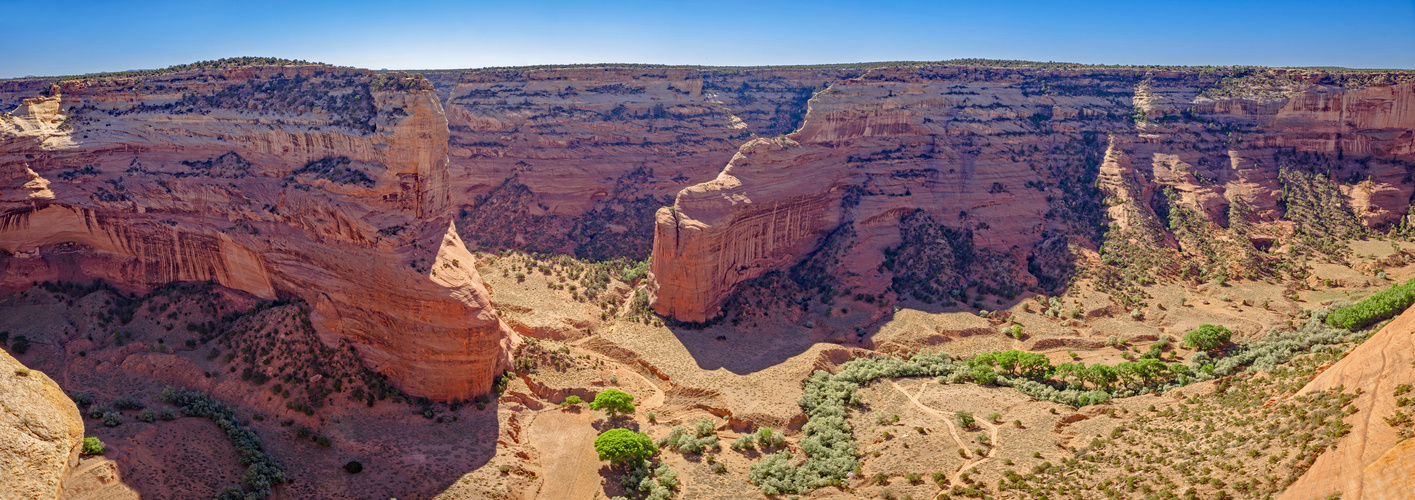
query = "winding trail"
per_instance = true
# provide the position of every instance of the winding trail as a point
(654, 401)
(971, 459)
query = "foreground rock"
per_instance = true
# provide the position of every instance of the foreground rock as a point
(41, 433)
(1372, 462)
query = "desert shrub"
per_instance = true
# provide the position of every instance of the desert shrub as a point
(92, 446)
(83, 399)
(965, 419)
(681, 441)
(1383, 305)
(353, 467)
(127, 403)
(769, 438)
(167, 414)
(97, 411)
(656, 483)
(624, 447)
(1207, 337)
(1276, 348)
(613, 401)
(746, 442)
(112, 419)
(572, 400)
(703, 427)
(262, 472)
(147, 415)
(20, 345)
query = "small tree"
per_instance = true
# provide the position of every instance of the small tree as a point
(965, 419)
(613, 402)
(92, 446)
(624, 447)
(1207, 337)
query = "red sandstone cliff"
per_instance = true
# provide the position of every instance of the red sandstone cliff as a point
(330, 185)
(997, 154)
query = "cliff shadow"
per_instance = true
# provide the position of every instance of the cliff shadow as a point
(743, 349)
(116, 352)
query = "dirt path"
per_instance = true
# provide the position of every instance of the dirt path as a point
(970, 459)
(654, 401)
(566, 443)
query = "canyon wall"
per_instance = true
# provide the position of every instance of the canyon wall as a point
(576, 160)
(327, 185)
(1013, 167)
(927, 183)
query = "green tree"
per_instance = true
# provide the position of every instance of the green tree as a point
(624, 447)
(965, 419)
(92, 446)
(1207, 337)
(572, 400)
(613, 402)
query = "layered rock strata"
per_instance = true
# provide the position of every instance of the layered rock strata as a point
(1006, 160)
(327, 185)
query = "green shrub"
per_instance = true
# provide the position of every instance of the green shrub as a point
(92, 446)
(83, 399)
(127, 403)
(572, 401)
(746, 442)
(1383, 305)
(1207, 337)
(613, 401)
(965, 419)
(262, 472)
(769, 438)
(624, 447)
(681, 441)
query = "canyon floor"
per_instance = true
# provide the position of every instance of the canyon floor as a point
(316, 408)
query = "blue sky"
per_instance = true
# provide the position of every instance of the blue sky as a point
(84, 36)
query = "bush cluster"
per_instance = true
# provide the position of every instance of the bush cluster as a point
(1383, 305)
(1207, 337)
(703, 437)
(262, 472)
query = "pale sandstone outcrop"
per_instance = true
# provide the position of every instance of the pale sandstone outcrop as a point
(296, 181)
(41, 433)
(1367, 463)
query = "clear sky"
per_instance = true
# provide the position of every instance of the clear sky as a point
(41, 37)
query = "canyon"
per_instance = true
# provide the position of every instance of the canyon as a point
(478, 245)
(280, 182)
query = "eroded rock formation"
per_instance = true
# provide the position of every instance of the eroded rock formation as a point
(1007, 163)
(329, 185)
(41, 433)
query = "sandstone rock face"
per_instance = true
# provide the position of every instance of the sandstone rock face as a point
(41, 433)
(577, 160)
(1369, 462)
(329, 185)
(1005, 161)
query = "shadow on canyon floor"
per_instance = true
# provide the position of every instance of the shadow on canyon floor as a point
(755, 346)
(117, 353)
(742, 351)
